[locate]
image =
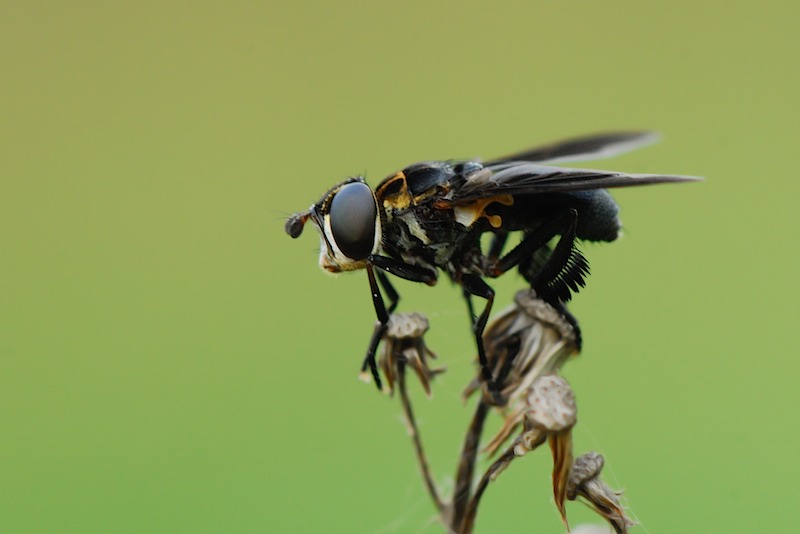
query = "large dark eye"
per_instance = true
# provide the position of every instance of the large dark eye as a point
(353, 215)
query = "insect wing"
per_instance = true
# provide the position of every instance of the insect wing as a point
(530, 178)
(596, 146)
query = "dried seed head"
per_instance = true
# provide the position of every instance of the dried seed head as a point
(540, 310)
(406, 326)
(551, 404)
(551, 408)
(524, 342)
(404, 345)
(586, 467)
(527, 341)
(584, 481)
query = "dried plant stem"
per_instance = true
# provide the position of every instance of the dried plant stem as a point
(501, 463)
(412, 428)
(466, 465)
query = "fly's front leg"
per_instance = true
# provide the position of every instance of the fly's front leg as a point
(398, 268)
(380, 328)
(391, 292)
(414, 273)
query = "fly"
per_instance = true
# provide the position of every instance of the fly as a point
(430, 216)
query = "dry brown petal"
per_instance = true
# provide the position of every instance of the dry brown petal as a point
(561, 446)
(510, 424)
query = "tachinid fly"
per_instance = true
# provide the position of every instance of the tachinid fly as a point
(430, 216)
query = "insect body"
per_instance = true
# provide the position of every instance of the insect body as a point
(430, 217)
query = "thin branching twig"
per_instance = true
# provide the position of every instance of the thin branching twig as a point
(416, 439)
(499, 465)
(466, 465)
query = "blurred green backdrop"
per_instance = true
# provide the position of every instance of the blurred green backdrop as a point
(170, 361)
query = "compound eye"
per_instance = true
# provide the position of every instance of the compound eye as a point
(352, 216)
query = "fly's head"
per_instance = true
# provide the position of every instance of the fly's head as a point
(348, 224)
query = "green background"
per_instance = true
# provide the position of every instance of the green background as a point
(170, 361)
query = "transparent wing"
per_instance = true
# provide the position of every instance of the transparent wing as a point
(590, 147)
(519, 178)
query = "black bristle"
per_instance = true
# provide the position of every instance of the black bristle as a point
(570, 279)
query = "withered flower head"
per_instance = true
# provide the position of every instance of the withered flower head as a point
(404, 345)
(584, 481)
(523, 342)
(552, 409)
(549, 415)
(551, 405)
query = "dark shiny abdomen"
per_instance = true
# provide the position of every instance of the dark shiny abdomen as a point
(597, 212)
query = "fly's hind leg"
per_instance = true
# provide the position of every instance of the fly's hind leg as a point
(561, 274)
(563, 224)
